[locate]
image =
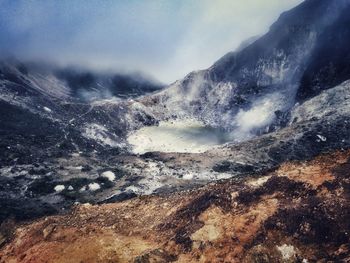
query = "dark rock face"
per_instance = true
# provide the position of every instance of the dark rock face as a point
(329, 63)
(26, 137)
(289, 43)
(290, 36)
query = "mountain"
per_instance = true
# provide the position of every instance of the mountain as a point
(284, 98)
(272, 74)
(77, 83)
(48, 115)
(53, 106)
(88, 86)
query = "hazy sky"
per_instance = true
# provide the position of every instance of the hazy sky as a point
(165, 38)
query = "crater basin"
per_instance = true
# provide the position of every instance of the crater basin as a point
(186, 136)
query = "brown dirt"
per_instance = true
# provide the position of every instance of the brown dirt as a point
(299, 212)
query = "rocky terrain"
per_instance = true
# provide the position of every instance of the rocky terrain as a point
(74, 187)
(296, 213)
(50, 133)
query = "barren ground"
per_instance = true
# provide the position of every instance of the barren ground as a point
(297, 213)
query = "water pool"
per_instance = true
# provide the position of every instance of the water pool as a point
(177, 136)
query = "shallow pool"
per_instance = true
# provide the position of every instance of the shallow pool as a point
(177, 136)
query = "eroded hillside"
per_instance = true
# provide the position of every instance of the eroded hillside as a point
(296, 213)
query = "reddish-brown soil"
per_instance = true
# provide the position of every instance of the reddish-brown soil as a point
(297, 213)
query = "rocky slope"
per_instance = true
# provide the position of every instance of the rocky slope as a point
(304, 52)
(67, 108)
(296, 213)
(50, 133)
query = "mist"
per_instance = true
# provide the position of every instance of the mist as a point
(165, 39)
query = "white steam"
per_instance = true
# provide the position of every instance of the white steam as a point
(259, 116)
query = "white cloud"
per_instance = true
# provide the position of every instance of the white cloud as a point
(167, 39)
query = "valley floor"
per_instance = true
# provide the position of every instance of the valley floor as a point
(298, 212)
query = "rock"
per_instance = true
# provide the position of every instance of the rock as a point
(109, 175)
(94, 187)
(59, 188)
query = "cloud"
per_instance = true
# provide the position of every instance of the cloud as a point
(164, 38)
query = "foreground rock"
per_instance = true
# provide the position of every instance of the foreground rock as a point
(297, 213)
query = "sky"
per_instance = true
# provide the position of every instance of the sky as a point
(165, 39)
